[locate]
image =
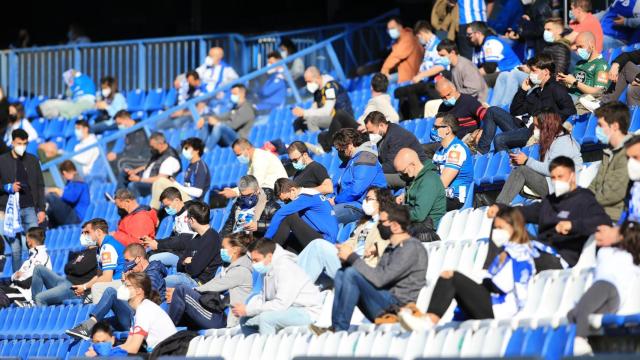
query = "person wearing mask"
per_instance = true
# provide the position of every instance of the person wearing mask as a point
(557, 46)
(86, 159)
(390, 138)
(424, 196)
(306, 216)
(136, 221)
(273, 93)
(582, 20)
(492, 54)
(502, 292)
(464, 74)
(18, 120)
(309, 174)
(103, 342)
(568, 216)
(110, 100)
(81, 97)
(467, 109)
(236, 278)
(406, 51)
(231, 125)
(554, 141)
(288, 297)
(252, 211)
(215, 72)
(623, 73)
(454, 161)
(189, 87)
(288, 48)
(469, 12)
(361, 171)
(380, 100)
(530, 28)
(67, 206)
(132, 150)
(23, 188)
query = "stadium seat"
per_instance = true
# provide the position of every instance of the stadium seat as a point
(153, 100)
(135, 100)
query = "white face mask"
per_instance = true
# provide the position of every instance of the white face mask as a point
(106, 92)
(500, 237)
(375, 138)
(536, 133)
(284, 53)
(86, 241)
(633, 168)
(367, 207)
(561, 187)
(123, 293)
(20, 149)
(208, 61)
(312, 87)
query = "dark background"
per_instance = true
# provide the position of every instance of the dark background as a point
(47, 22)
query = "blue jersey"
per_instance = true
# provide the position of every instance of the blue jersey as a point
(431, 56)
(111, 256)
(82, 85)
(629, 9)
(456, 156)
(495, 50)
(472, 10)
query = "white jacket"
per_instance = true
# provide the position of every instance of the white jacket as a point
(616, 266)
(383, 104)
(286, 285)
(37, 256)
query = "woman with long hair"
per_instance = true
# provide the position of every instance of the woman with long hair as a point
(18, 120)
(110, 101)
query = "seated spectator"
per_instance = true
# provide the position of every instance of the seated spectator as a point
(132, 150)
(380, 100)
(200, 256)
(18, 120)
(536, 93)
(288, 297)
(223, 130)
(425, 195)
(263, 165)
(197, 177)
(391, 138)
(464, 74)
(422, 84)
(110, 101)
(361, 171)
(555, 141)
(582, 20)
(189, 88)
(252, 211)
(236, 278)
(296, 67)
(85, 159)
(273, 93)
(136, 262)
(454, 162)
(395, 281)
(492, 54)
(619, 24)
(19, 291)
(330, 100)
(82, 98)
(567, 217)
(135, 221)
(557, 46)
(68, 206)
(502, 292)
(467, 109)
(309, 174)
(612, 180)
(215, 72)
(406, 52)
(103, 342)
(306, 216)
(365, 240)
(623, 73)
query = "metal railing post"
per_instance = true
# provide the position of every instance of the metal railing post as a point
(13, 74)
(292, 85)
(142, 66)
(337, 67)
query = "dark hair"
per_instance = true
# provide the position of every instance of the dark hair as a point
(451, 121)
(555, 20)
(122, 114)
(68, 166)
(19, 109)
(158, 136)
(384, 198)
(447, 45)
(614, 112)
(101, 326)
(199, 212)
(284, 185)
(514, 217)
(263, 246)
(194, 74)
(347, 136)
(194, 143)
(98, 224)
(142, 281)
(396, 19)
(242, 142)
(630, 231)
(634, 140)
(291, 47)
(137, 250)
(481, 27)
(124, 194)
(562, 161)
(376, 118)
(19, 134)
(379, 83)
(111, 82)
(550, 124)
(275, 55)
(239, 86)
(36, 234)
(422, 25)
(544, 62)
(582, 4)
(240, 240)
(300, 146)
(170, 193)
(397, 213)
(82, 122)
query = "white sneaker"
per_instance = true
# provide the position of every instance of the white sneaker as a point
(413, 322)
(581, 347)
(589, 102)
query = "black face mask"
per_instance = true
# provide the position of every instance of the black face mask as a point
(385, 231)
(13, 118)
(406, 178)
(343, 156)
(122, 212)
(154, 152)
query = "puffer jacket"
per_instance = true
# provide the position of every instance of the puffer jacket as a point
(561, 53)
(361, 172)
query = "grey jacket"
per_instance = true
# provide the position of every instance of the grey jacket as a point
(402, 270)
(237, 279)
(240, 119)
(563, 145)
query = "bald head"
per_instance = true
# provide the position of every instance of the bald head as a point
(586, 40)
(311, 73)
(446, 89)
(216, 53)
(407, 163)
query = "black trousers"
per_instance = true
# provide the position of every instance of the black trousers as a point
(473, 299)
(341, 120)
(295, 234)
(410, 105)
(453, 204)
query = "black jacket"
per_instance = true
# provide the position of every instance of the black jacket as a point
(205, 256)
(554, 96)
(35, 179)
(531, 30)
(578, 206)
(81, 266)
(625, 57)
(560, 52)
(393, 141)
(263, 223)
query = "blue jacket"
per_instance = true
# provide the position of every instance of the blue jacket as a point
(82, 85)
(157, 272)
(273, 93)
(314, 209)
(361, 172)
(77, 195)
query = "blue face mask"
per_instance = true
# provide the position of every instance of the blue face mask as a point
(261, 268)
(102, 348)
(247, 202)
(235, 98)
(78, 133)
(170, 211)
(394, 33)
(602, 137)
(443, 61)
(450, 101)
(584, 54)
(129, 265)
(224, 255)
(298, 165)
(571, 15)
(434, 135)
(242, 159)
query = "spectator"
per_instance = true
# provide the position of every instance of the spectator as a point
(76, 35)
(287, 298)
(19, 291)
(109, 102)
(454, 162)
(20, 173)
(330, 100)
(200, 258)
(623, 73)
(390, 139)
(395, 281)
(502, 292)
(190, 87)
(469, 12)
(425, 195)
(612, 180)
(136, 262)
(406, 52)
(464, 74)
(103, 342)
(288, 48)
(18, 120)
(556, 46)
(380, 100)
(263, 165)
(491, 54)
(4, 114)
(215, 72)
(132, 150)
(619, 24)
(231, 125)
(273, 93)
(236, 278)
(85, 159)
(361, 171)
(136, 220)
(422, 84)
(582, 20)
(197, 177)
(468, 110)
(309, 173)
(568, 216)
(252, 211)
(530, 28)
(445, 20)
(306, 216)
(68, 206)
(174, 205)
(82, 97)
(554, 141)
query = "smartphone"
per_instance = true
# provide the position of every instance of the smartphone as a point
(514, 151)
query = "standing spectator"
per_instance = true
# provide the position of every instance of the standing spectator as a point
(17, 120)
(492, 54)
(530, 28)
(110, 101)
(582, 20)
(380, 100)
(469, 12)
(464, 74)
(273, 92)
(467, 109)
(76, 35)
(85, 159)
(406, 52)
(136, 221)
(20, 173)
(288, 48)
(215, 72)
(252, 211)
(68, 206)
(445, 20)
(82, 97)
(309, 173)
(556, 46)
(132, 150)
(623, 73)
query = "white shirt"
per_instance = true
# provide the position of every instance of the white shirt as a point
(37, 256)
(180, 225)
(168, 167)
(616, 266)
(23, 124)
(153, 323)
(88, 158)
(210, 75)
(266, 167)
(380, 103)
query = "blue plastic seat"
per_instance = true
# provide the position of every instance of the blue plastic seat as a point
(504, 169)
(345, 232)
(135, 100)
(590, 131)
(635, 119)
(54, 128)
(153, 101)
(170, 98)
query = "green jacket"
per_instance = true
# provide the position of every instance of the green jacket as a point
(611, 181)
(425, 195)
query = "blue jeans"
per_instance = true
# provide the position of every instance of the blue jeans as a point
(348, 212)
(317, 256)
(609, 42)
(512, 139)
(28, 219)
(60, 212)
(123, 313)
(173, 123)
(174, 280)
(138, 188)
(49, 288)
(351, 290)
(219, 132)
(269, 322)
(506, 87)
(103, 126)
(186, 301)
(494, 118)
(166, 258)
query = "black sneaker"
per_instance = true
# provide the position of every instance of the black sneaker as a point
(109, 197)
(82, 331)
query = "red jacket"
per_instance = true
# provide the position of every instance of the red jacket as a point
(142, 221)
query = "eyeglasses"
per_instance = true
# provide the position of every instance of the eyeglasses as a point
(370, 199)
(440, 126)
